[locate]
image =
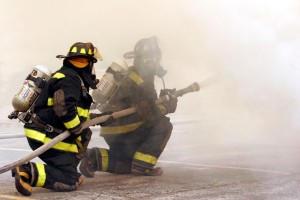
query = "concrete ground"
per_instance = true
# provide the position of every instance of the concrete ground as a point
(198, 163)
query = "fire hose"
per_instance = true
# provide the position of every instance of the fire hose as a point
(191, 88)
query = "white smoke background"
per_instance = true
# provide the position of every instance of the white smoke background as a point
(243, 53)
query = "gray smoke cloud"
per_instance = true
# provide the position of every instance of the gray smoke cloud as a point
(244, 53)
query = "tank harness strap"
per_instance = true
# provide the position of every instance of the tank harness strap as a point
(83, 88)
(36, 120)
(39, 82)
(31, 78)
(47, 127)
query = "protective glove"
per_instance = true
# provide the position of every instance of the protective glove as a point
(167, 92)
(146, 110)
(171, 104)
(105, 123)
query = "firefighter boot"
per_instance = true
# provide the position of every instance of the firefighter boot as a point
(88, 163)
(23, 177)
(141, 170)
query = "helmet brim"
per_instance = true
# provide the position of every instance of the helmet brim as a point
(129, 55)
(63, 56)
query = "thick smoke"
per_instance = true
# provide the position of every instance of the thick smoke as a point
(244, 54)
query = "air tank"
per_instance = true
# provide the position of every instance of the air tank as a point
(31, 88)
(110, 81)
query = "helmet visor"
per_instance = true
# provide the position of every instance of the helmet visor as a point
(97, 54)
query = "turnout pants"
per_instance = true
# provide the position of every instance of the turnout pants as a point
(141, 147)
(60, 169)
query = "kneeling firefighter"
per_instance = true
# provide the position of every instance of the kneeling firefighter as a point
(63, 104)
(135, 141)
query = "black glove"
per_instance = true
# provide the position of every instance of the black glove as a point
(171, 104)
(167, 92)
(105, 123)
(146, 110)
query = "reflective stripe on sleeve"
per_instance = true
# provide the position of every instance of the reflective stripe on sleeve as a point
(73, 123)
(50, 102)
(83, 112)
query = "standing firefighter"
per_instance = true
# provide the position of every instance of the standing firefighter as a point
(137, 140)
(63, 104)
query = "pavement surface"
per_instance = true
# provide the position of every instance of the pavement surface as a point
(198, 162)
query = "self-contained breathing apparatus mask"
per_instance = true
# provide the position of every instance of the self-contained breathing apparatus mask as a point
(147, 56)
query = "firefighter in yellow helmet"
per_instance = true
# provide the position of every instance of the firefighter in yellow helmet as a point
(62, 105)
(135, 141)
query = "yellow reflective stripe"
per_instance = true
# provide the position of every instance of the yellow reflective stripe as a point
(135, 77)
(73, 123)
(145, 158)
(33, 134)
(63, 146)
(83, 51)
(83, 112)
(121, 129)
(104, 156)
(74, 50)
(41, 137)
(50, 102)
(58, 75)
(41, 174)
(162, 109)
